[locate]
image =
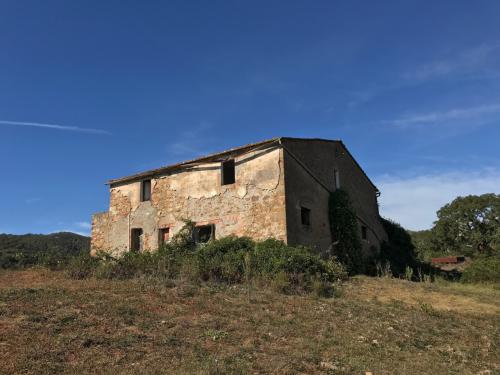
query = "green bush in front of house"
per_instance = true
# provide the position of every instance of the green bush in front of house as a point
(229, 260)
(224, 259)
(273, 256)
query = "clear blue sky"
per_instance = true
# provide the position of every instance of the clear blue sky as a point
(412, 87)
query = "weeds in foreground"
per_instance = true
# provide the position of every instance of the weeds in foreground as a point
(59, 325)
(230, 260)
(408, 273)
(384, 270)
(216, 335)
(429, 310)
(423, 277)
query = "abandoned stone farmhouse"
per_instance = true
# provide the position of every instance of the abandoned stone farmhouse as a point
(276, 188)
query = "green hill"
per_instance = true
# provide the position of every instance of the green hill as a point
(27, 249)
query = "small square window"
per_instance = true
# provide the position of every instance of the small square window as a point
(146, 190)
(305, 216)
(228, 172)
(164, 235)
(204, 233)
(364, 232)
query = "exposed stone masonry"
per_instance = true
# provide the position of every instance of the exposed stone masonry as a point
(274, 180)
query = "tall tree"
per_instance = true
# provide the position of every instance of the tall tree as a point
(469, 224)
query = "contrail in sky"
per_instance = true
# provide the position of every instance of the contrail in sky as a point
(56, 127)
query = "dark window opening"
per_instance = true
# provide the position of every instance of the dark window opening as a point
(204, 233)
(336, 178)
(136, 240)
(228, 172)
(305, 216)
(146, 190)
(164, 235)
(364, 232)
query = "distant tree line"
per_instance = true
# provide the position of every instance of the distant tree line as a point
(49, 249)
(467, 226)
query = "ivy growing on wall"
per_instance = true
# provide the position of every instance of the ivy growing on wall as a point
(344, 230)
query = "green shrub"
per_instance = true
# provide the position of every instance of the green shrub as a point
(273, 256)
(168, 262)
(129, 265)
(281, 283)
(171, 258)
(345, 232)
(408, 273)
(183, 239)
(82, 266)
(322, 289)
(17, 259)
(229, 259)
(483, 270)
(189, 269)
(53, 259)
(224, 259)
(335, 270)
(398, 250)
(428, 309)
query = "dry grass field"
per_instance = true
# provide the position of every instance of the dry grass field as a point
(51, 324)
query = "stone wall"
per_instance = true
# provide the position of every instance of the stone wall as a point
(302, 190)
(100, 232)
(319, 159)
(253, 206)
(272, 185)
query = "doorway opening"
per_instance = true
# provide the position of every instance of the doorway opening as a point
(136, 240)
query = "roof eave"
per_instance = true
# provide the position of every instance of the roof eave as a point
(204, 159)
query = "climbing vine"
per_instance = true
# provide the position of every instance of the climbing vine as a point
(344, 230)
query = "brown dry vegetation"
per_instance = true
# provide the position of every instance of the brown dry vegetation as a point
(51, 324)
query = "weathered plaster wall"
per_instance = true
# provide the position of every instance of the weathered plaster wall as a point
(257, 205)
(322, 158)
(253, 206)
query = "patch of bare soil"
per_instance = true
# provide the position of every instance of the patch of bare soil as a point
(28, 278)
(441, 298)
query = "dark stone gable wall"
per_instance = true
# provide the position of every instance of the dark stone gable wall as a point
(305, 159)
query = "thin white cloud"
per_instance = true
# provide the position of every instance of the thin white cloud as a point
(364, 96)
(472, 116)
(83, 224)
(55, 127)
(477, 60)
(192, 142)
(32, 200)
(413, 201)
(482, 61)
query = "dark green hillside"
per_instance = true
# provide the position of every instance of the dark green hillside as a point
(28, 249)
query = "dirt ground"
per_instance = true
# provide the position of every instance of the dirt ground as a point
(52, 324)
